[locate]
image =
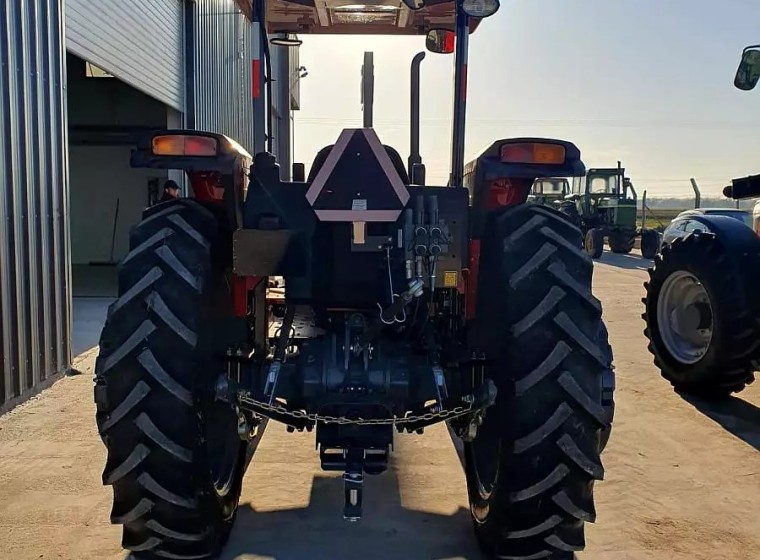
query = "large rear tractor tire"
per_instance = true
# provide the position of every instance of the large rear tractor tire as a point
(593, 243)
(650, 243)
(532, 466)
(175, 460)
(621, 242)
(702, 328)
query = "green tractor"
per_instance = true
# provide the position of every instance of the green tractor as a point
(603, 204)
(549, 191)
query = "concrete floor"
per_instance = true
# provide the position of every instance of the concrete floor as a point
(94, 281)
(89, 318)
(681, 476)
(94, 288)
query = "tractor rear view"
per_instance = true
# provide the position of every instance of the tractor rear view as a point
(405, 305)
(603, 205)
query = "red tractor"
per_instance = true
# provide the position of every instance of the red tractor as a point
(404, 305)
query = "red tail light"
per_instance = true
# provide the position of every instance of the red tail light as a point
(507, 192)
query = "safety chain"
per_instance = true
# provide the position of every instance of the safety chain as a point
(301, 415)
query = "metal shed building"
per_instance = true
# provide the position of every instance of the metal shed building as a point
(79, 79)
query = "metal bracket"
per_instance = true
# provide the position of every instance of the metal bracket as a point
(353, 483)
(270, 389)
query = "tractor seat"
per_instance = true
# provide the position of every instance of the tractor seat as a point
(321, 157)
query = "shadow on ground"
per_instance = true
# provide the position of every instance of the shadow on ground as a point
(735, 415)
(318, 531)
(632, 261)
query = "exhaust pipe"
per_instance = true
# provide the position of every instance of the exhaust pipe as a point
(416, 170)
(368, 88)
(697, 194)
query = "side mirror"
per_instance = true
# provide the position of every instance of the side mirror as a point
(414, 5)
(299, 172)
(748, 73)
(440, 41)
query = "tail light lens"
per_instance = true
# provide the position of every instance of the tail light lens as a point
(507, 192)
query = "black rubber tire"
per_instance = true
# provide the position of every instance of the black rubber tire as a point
(594, 243)
(539, 322)
(154, 391)
(621, 242)
(734, 352)
(650, 243)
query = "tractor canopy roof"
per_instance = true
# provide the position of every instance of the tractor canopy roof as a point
(607, 171)
(360, 17)
(192, 150)
(530, 158)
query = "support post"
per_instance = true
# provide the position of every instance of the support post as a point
(644, 211)
(190, 65)
(460, 97)
(258, 79)
(283, 135)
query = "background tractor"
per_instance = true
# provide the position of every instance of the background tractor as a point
(702, 304)
(603, 205)
(405, 305)
(550, 191)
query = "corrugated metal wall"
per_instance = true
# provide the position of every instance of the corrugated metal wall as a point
(138, 41)
(223, 55)
(35, 326)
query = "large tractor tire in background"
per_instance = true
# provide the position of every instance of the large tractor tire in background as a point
(650, 243)
(175, 460)
(621, 242)
(593, 243)
(532, 466)
(702, 325)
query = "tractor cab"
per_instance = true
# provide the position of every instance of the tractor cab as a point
(550, 191)
(605, 196)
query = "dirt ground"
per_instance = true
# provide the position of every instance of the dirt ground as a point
(682, 482)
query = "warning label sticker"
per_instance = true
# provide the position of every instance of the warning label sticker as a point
(450, 279)
(359, 204)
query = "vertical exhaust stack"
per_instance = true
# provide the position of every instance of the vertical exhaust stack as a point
(416, 169)
(368, 88)
(697, 194)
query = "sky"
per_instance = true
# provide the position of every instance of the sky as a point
(647, 82)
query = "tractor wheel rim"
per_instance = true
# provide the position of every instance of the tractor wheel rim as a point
(223, 446)
(685, 317)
